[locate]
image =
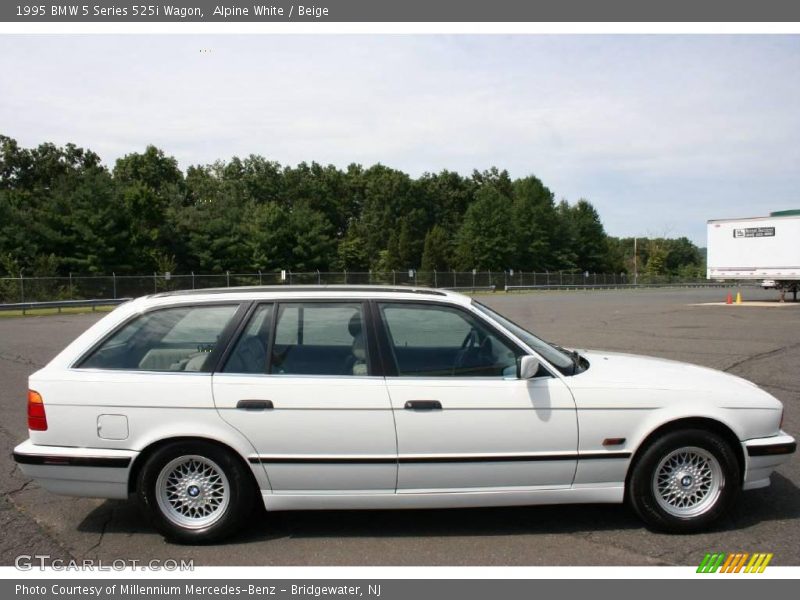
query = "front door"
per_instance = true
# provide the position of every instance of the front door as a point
(464, 421)
(298, 384)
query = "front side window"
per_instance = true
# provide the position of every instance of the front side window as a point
(170, 339)
(557, 357)
(316, 338)
(441, 341)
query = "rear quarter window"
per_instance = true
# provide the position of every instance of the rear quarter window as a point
(168, 339)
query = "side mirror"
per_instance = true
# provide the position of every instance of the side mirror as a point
(527, 366)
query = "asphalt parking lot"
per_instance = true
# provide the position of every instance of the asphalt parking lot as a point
(761, 343)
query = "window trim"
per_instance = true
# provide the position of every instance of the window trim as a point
(373, 365)
(390, 365)
(385, 365)
(213, 358)
(241, 325)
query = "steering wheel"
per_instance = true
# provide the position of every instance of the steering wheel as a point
(471, 340)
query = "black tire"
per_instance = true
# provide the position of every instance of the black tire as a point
(226, 520)
(642, 491)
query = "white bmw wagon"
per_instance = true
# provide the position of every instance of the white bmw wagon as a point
(203, 403)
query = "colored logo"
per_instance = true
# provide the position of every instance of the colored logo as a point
(738, 562)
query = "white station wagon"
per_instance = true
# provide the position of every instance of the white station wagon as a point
(350, 397)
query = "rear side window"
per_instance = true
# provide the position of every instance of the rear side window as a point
(317, 338)
(170, 339)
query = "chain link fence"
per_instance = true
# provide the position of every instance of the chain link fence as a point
(84, 287)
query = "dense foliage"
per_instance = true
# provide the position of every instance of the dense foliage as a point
(62, 210)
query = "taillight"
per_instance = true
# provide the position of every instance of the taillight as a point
(37, 419)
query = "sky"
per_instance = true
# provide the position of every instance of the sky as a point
(659, 132)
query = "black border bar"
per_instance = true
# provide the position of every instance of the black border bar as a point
(419, 11)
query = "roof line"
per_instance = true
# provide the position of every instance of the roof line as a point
(303, 288)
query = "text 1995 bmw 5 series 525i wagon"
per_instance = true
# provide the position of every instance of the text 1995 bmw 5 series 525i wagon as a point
(201, 403)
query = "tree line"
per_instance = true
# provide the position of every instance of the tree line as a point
(62, 210)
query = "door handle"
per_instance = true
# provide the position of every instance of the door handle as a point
(254, 404)
(423, 405)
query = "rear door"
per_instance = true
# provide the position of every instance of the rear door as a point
(299, 384)
(464, 421)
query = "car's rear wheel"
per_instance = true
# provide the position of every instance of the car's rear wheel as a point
(684, 481)
(195, 491)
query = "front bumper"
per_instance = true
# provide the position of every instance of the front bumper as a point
(764, 455)
(91, 472)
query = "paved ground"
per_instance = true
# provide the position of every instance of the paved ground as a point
(760, 343)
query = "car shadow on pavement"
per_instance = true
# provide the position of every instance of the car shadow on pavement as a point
(503, 521)
(780, 501)
(118, 516)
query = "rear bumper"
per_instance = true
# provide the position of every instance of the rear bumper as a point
(764, 455)
(91, 472)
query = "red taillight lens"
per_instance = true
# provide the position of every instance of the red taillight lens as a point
(37, 419)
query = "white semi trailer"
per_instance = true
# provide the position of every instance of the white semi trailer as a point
(758, 248)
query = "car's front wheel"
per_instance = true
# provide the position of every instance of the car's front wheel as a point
(195, 491)
(684, 481)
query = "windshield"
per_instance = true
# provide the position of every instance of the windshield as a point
(555, 356)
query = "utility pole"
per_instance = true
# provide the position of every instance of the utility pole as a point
(635, 264)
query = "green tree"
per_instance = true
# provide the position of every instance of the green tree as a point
(500, 180)
(406, 246)
(445, 196)
(486, 238)
(590, 247)
(312, 245)
(616, 256)
(436, 255)
(324, 189)
(261, 180)
(534, 219)
(390, 259)
(57, 205)
(385, 196)
(62, 211)
(351, 254)
(212, 229)
(656, 257)
(681, 252)
(266, 236)
(149, 184)
(95, 226)
(563, 239)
